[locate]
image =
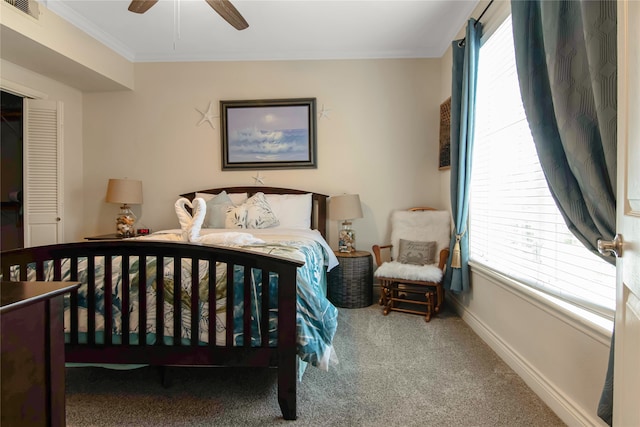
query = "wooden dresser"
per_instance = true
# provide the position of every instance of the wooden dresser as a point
(32, 353)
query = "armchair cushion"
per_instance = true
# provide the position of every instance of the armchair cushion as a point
(398, 270)
(426, 226)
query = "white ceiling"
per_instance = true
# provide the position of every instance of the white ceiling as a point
(190, 30)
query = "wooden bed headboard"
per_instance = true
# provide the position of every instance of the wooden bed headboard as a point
(318, 210)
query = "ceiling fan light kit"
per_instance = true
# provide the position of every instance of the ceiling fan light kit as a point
(224, 8)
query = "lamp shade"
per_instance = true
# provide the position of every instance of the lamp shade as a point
(346, 206)
(124, 191)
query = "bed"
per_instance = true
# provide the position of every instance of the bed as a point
(267, 283)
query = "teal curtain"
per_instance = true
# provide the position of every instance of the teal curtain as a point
(566, 62)
(566, 58)
(463, 106)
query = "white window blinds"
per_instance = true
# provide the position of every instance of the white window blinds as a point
(515, 227)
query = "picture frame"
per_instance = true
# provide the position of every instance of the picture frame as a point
(445, 135)
(268, 134)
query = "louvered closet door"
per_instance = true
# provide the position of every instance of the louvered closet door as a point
(42, 173)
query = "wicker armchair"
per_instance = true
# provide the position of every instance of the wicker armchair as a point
(416, 261)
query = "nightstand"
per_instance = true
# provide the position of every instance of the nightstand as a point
(111, 236)
(350, 284)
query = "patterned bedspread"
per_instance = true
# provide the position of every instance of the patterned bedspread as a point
(316, 316)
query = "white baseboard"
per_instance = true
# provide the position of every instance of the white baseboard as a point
(559, 402)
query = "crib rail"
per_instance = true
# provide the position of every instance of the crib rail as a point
(175, 351)
(104, 253)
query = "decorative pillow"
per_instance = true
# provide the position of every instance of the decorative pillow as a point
(236, 198)
(418, 253)
(217, 210)
(292, 210)
(259, 213)
(236, 217)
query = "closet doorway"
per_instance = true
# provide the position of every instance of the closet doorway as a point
(11, 180)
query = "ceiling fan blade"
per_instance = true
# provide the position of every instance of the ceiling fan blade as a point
(141, 6)
(229, 13)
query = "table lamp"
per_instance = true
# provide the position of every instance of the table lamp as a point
(345, 208)
(125, 192)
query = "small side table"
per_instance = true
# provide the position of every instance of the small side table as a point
(111, 236)
(350, 284)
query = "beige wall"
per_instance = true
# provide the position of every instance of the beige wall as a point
(379, 140)
(26, 82)
(50, 46)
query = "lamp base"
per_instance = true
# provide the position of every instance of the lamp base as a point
(346, 238)
(125, 220)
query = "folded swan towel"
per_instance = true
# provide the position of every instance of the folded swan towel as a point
(191, 224)
(230, 238)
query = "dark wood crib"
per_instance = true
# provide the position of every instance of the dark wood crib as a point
(194, 352)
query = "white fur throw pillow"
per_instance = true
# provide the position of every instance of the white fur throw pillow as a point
(397, 270)
(425, 226)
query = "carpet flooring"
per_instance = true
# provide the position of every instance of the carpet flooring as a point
(394, 370)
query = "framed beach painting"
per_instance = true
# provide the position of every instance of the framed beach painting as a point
(268, 134)
(445, 135)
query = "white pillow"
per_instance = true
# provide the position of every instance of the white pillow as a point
(292, 210)
(236, 198)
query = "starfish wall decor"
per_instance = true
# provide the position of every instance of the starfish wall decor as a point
(257, 179)
(324, 112)
(207, 116)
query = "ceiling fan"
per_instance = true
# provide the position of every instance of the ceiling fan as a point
(224, 8)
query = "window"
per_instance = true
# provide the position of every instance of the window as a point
(515, 227)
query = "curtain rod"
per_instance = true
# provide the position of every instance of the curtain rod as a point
(461, 42)
(482, 14)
